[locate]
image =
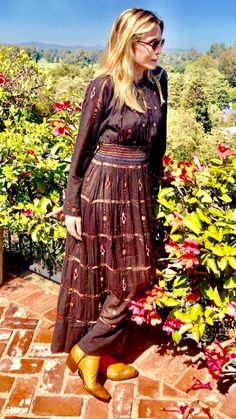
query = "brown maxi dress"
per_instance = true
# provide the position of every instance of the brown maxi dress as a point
(118, 154)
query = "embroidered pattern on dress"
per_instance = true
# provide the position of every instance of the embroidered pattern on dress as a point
(92, 94)
(123, 217)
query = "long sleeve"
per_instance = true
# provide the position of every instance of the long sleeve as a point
(159, 148)
(93, 111)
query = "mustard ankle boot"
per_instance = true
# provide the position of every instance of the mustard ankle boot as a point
(87, 366)
(116, 371)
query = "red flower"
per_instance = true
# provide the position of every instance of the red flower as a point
(27, 212)
(167, 161)
(60, 128)
(30, 151)
(193, 296)
(79, 107)
(171, 325)
(60, 215)
(60, 105)
(223, 150)
(153, 318)
(25, 173)
(2, 80)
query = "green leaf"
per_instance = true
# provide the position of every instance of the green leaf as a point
(218, 249)
(222, 263)
(225, 198)
(202, 216)
(193, 223)
(230, 283)
(211, 264)
(195, 312)
(232, 262)
(165, 191)
(176, 336)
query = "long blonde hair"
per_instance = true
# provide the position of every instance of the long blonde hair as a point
(118, 60)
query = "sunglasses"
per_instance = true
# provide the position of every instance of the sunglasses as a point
(155, 44)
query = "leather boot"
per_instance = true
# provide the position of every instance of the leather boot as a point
(87, 366)
(116, 371)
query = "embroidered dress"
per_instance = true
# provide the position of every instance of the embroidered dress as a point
(117, 153)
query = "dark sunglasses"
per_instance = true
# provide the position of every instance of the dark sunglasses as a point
(155, 44)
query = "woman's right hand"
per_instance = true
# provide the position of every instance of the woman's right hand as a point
(73, 225)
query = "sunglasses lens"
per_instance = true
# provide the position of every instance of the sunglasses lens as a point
(157, 44)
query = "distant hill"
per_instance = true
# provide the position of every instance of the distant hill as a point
(42, 45)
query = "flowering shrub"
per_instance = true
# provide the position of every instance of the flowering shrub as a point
(196, 275)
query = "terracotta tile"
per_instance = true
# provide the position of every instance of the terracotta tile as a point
(45, 305)
(20, 366)
(21, 396)
(155, 365)
(187, 381)
(57, 406)
(93, 406)
(148, 387)
(20, 343)
(122, 400)
(11, 286)
(2, 310)
(53, 376)
(43, 350)
(14, 310)
(51, 314)
(33, 299)
(229, 404)
(2, 401)
(74, 385)
(19, 323)
(44, 333)
(2, 347)
(5, 335)
(173, 392)
(6, 383)
(153, 409)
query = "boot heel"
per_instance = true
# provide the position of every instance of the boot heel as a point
(71, 364)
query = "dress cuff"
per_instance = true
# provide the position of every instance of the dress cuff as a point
(71, 208)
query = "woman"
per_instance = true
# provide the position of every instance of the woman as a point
(118, 154)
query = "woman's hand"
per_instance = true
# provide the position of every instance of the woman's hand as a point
(73, 225)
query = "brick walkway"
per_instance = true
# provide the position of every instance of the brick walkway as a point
(35, 383)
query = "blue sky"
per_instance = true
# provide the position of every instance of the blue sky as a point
(188, 23)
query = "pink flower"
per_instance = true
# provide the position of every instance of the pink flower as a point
(2, 80)
(198, 384)
(223, 150)
(191, 246)
(60, 105)
(217, 357)
(156, 292)
(27, 212)
(188, 260)
(167, 161)
(153, 318)
(176, 219)
(172, 246)
(171, 325)
(232, 309)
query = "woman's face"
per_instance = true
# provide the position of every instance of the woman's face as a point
(145, 55)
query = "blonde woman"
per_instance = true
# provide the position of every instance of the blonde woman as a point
(118, 155)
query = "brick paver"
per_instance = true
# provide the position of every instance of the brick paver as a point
(34, 383)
